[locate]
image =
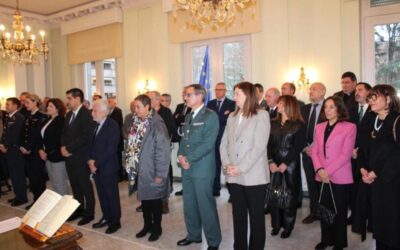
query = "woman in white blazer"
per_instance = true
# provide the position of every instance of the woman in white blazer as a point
(244, 159)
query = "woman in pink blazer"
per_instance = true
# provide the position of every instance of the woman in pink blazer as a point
(331, 155)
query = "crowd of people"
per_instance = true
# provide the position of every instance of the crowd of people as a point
(347, 144)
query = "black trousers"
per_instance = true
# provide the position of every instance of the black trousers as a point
(248, 201)
(16, 168)
(36, 174)
(381, 246)
(335, 234)
(152, 215)
(82, 189)
(286, 218)
(108, 193)
(311, 183)
(217, 179)
(4, 175)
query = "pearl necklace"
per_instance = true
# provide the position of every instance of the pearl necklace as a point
(376, 128)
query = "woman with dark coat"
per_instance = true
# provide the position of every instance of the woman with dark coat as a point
(380, 166)
(30, 145)
(148, 147)
(285, 144)
(51, 144)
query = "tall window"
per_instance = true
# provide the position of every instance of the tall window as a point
(230, 61)
(381, 42)
(100, 78)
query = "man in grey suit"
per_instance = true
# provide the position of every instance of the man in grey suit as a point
(196, 157)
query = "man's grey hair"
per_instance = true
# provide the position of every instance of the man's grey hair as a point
(199, 90)
(276, 91)
(155, 92)
(102, 104)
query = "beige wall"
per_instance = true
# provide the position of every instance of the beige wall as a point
(319, 35)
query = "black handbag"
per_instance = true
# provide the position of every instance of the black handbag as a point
(277, 195)
(323, 213)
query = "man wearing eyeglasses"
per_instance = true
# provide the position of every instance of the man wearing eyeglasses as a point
(223, 106)
(196, 157)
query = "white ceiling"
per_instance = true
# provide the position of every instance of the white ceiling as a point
(44, 7)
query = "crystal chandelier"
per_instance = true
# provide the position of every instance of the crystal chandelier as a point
(217, 13)
(18, 49)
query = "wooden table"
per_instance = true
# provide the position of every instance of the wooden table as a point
(15, 240)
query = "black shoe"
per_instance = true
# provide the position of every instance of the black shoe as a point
(16, 202)
(11, 200)
(85, 220)
(309, 219)
(321, 246)
(143, 232)
(100, 223)
(217, 194)
(349, 220)
(275, 231)
(75, 215)
(139, 209)
(299, 205)
(337, 248)
(230, 200)
(285, 234)
(266, 210)
(212, 248)
(179, 193)
(28, 207)
(154, 236)
(112, 228)
(186, 242)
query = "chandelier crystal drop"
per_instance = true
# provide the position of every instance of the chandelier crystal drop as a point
(21, 47)
(214, 13)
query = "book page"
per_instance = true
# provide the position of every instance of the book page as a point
(10, 224)
(41, 208)
(57, 216)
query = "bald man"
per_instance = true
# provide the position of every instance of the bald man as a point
(312, 116)
(271, 98)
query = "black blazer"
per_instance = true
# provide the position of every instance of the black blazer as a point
(31, 138)
(227, 107)
(75, 136)
(305, 113)
(273, 114)
(168, 119)
(116, 115)
(103, 147)
(51, 141)
(13, 130)
(349, 101)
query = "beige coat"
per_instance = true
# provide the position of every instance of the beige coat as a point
(245, 145)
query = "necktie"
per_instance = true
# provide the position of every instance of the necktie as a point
(72, 118)
(190, 118)
(95, 130)
(218, 105)
(311, 124)
(360, 113)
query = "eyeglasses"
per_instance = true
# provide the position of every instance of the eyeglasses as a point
(220, 89)
(188, 95)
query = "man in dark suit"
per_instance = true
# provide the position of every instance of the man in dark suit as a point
(10, 146)
(179, 115)
(103, 164)
(74, 145)
(169, 121)
(288, 88)
(260, 95)
(196, 157)
(116, 115)
(23, 111)
(223, 106)
(271, 98)
(312, 115)
(349, 82)
(166, 100)
(360, 115)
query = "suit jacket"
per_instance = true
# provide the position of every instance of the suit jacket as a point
(103, 147)
(116, 115)
(273, 114)
(198, 143)
(75, 136)
(51, 141)
(349, 101)
(166, 115)
(227, 107)
(339, 149)
(179, 116)
(31, 137)
(13, 130)
(305, 112)
(245, 145)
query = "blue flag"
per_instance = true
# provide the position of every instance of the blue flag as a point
(205, 76)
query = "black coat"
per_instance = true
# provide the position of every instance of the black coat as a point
(51, 140)
(169, 121)
(381, 154)
(305, 113)
(116, 115)
(227, 107)
(273, 114)
(31, 138)
(349, 100)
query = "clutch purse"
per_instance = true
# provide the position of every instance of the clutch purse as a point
(323, 213)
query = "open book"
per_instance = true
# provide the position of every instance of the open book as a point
(50, 212)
